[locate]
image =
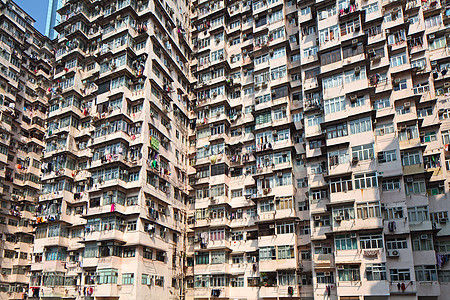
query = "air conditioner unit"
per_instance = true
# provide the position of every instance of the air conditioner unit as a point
(279, 174)
(447, 84)
(424, 236)
(357, 70)
(393, 253)
(338, 218)
(272, 226)
(353, 98)
(431, 37)
(317, 218)
(409, 179)
(341, 267)
(407, 104)
(327, 273)
(443, 220)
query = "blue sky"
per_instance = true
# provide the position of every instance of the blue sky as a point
(37, 9)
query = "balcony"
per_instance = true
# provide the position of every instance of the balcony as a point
(323, 260)
(104, 235)
(319, 233)
(106, 290)
(373, 288)
(428, 288)
(318, 206)
(279, 264)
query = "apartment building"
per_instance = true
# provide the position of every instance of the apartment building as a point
(376, 139)
(25, 64)
(320, 149)
(111, 214)
(235, 150)
(249, 218)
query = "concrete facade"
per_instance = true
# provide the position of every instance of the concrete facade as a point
(25, 76)
(242, 150)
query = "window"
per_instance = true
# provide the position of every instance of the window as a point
(439, 217)
(400, 275)
(352, 50)
(384, 129)
(433, 21)
(360, 125)
(369, 210)
(398, 60)
(237, 281)
(284, 202)
(336, 131)
(311, 51)
(366, 180)
(146, 279)
(128, 278)
(267, 253)
(131, 225)
(329, 34)
(107, 276)
(400, 85)
(371, 241)
(381, 103)
(376, 272)
(395, 244)
(329, 57)
(285, 228)
(422, 242)
(346, 242)
(341, 184)
(327, 12)
(414, 186)
(334, 105)
(217, 235)
(266, 205)
(202, 258)
(338, 157)
(332, 81)
(360, 101)
(426, 273)
(371, 8)
(418, 214)
(306, 255)
(129, 252)
(287, 278)
(356, 74)
(349, 273)
(444, 275)
(286, 252)
(237, 259)
(390, 185)
(345, 212)
(322, 221)
(363, 152)
(387, 156)
(325, 277)
(218, 257)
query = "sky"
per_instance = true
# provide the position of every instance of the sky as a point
(37, 9)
